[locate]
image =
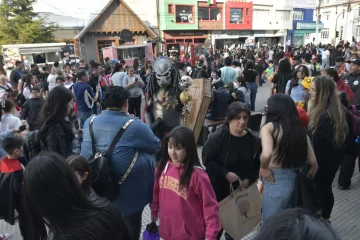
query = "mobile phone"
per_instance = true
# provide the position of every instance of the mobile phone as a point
(22, 128)
(136, 79)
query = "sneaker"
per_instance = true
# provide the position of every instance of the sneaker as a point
(4, 236)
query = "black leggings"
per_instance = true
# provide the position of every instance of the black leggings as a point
(134, 106)
(323, 181)
(133, 223)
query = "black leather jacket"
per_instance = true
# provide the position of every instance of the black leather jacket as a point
(57, 137)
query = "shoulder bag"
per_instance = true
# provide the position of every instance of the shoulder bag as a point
(104, 181)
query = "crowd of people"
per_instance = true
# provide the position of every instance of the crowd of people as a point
(54, 120)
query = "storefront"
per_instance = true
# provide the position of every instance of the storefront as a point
(301, 35)
(179, 42)
(244, 39)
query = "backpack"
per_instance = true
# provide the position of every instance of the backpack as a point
(104, 181)
(355, 115)
(31, 145)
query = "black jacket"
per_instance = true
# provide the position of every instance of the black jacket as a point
(31, 109)
(11, 175)
(15, 76)
(214, 156)
(353, 80)
(57, 137)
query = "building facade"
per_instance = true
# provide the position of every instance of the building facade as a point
(304, 27)
(342, 16)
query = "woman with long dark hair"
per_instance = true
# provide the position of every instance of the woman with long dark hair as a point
(294, 88)
(329, 129)
(285, 147)
(118, 75)
(53, 198)
(183, 197)
(283, 75)
(56, 132)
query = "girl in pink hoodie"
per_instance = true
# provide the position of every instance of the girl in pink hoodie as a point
(183, 197)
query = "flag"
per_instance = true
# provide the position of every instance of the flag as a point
(211, 2)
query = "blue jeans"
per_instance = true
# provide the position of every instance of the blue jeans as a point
(83, 116)
(278, 196)
(253, 90)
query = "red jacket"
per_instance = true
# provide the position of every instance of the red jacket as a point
(342, 86)
(192, 214)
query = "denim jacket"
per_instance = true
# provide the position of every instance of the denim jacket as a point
(136, 191)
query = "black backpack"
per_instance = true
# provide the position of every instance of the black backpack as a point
(31, 145)
(104, 181)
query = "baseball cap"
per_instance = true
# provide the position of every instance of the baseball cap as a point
(339, 59)
(304, 118)
(306, 83)
(357, 61)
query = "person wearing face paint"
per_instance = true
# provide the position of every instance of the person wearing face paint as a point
(183, 198)
(231, 154)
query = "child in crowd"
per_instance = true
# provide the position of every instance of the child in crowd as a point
(8, 120)
(60, 81)
(31, 108)
(11, 177)
(69, 82)
(183, 198)
(82, 170)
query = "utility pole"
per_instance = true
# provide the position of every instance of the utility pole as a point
(317, 22)
(348, 10)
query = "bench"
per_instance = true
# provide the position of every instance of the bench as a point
(254, 124)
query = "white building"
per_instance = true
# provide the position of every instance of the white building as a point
(342, 16)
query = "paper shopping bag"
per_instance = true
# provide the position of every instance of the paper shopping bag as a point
(240, 212)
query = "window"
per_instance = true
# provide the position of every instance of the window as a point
(298, 15)
(261, 13)
(326, 15)
(283, 15)
(171, 9)
(184, 14)
(52, 56)
(103, 44)
(358, 31)
(236, 15)
(205, 13)
(131, 53)
(325, 33)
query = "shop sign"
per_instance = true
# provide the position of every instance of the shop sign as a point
(301, 25)
(186, 34)
(235, 15)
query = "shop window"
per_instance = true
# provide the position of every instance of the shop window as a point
(358, 31)
(236, 15)
(247, 12)
(184, 14)
(52, 56)
(171, 9)
(298, 15)
(209, 13)
(131, 53)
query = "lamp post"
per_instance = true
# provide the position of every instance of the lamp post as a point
(347, 15)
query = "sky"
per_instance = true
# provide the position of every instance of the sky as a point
(75, 8)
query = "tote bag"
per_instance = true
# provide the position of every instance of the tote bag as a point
(240, 212)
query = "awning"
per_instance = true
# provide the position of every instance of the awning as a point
(39, 50)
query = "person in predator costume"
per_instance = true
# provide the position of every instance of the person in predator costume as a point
(163, 107)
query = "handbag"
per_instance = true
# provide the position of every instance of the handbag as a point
(240, 212)
(104, 181)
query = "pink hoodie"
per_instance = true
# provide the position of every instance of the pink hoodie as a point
(192, 214)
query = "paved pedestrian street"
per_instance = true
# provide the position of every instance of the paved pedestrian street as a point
(345, 216)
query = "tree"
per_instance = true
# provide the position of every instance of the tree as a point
(20, 24)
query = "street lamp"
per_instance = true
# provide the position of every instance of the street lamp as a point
(337, 18)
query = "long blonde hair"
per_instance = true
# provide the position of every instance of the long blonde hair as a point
(328, 101)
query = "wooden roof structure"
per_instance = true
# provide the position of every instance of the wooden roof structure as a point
(115, 17)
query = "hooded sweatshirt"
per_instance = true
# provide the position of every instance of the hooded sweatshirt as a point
(191, 214)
